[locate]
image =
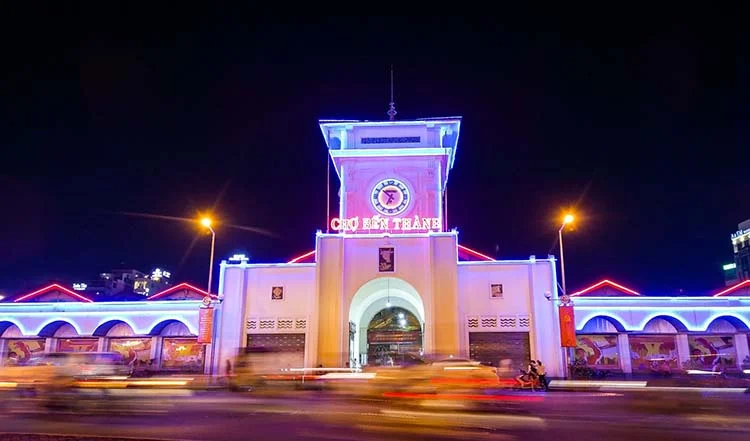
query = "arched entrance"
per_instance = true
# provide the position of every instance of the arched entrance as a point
(378, 305)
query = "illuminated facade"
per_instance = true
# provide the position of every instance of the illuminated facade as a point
(158, 333)
(390, 250)
(619, 329)
(389, 280)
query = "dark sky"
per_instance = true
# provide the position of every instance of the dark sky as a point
(642, 125)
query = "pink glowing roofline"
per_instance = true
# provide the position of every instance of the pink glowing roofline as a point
(53, 287)
(178, 287)
(461, 247)
(606, 282)
(476, 253)
(724, 292)
(302, 257)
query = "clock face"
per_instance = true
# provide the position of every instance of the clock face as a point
(390, 197)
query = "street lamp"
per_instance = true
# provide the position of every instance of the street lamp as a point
(206, 222)
(568, 219)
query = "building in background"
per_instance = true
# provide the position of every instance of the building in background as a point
(121, 282)
(730, 274)
(157, 281)
(741, 247)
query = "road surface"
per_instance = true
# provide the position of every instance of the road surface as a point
(220, 416)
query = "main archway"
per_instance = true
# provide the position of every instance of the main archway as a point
(394, 337)
(385, 298)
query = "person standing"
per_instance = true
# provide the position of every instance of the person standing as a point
(541, 371)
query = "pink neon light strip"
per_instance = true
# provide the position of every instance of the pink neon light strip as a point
(177, 288)
(476, 253)
(733, 288)
(53, 287)
(463, 248)
(302, 257)
(617, 286)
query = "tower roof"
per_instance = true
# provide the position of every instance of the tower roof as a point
(435, 137)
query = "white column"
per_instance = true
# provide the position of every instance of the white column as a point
(683, 348)
(103, 344)
(3, 350)
(740, 342)
(623, 349)
(230, 323)
(156, 343)
(50, 344)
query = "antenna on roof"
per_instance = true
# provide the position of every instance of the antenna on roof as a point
(392, 106)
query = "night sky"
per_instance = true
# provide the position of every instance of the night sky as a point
(642, 126)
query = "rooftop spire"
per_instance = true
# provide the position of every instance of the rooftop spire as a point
(392, 106)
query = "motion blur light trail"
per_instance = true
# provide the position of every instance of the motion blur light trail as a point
(471, 397)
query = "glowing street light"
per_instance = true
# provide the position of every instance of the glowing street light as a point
(206, 222)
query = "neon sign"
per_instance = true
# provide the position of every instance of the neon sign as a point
(380, 223)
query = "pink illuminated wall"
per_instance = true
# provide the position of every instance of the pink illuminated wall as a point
(368, 155)
(421, 176)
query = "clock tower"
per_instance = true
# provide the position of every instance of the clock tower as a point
(393, 174)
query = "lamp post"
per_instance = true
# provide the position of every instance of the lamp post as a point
(206, 222)
(568, 219)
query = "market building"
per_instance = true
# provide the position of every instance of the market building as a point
(388, 282)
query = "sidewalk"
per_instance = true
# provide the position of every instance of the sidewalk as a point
(676, 383)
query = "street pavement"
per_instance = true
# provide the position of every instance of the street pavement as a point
(220, 416)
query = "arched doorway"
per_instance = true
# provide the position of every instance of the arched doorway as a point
(385, 298)
(394, 337)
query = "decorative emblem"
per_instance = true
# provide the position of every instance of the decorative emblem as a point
(496, 290)
(385, 260)
(390, 197)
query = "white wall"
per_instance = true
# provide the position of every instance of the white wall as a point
(298, 281)
(696, 313)
(474, 279)
(142, 316)
(247, 306)
(523, 307)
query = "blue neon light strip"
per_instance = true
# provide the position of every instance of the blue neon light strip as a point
(364, 153)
